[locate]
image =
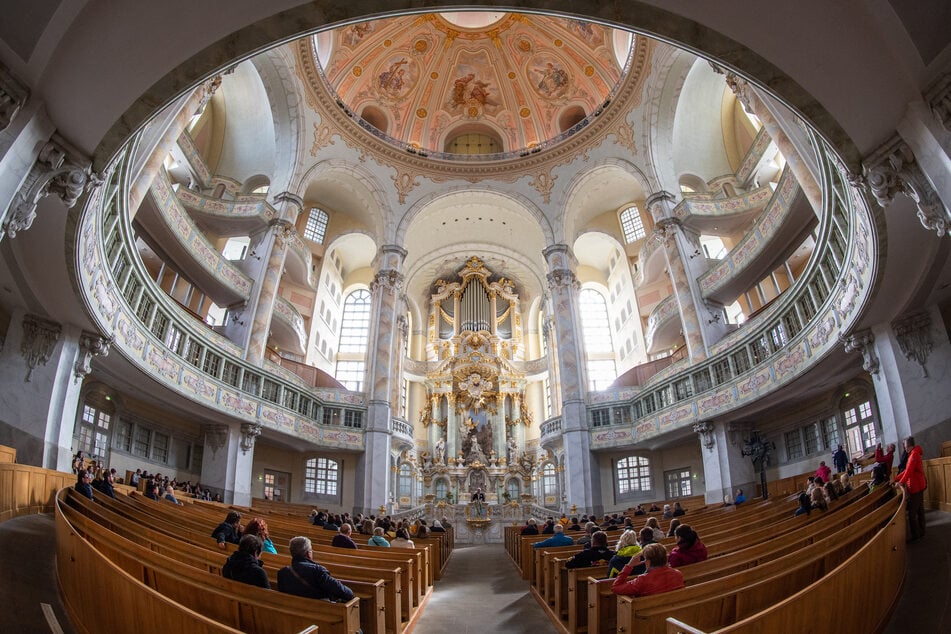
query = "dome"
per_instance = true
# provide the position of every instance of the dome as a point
(474, 84)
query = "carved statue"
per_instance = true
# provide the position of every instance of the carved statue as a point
(512, 454)
(440, 450)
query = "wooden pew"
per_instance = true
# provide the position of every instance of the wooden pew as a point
(231, 603)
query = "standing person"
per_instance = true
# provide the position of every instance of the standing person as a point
(244, 564)
(823, 471)
(886, 457)
(660, 577)
(304, 577)
(840, 458)
(914, 482)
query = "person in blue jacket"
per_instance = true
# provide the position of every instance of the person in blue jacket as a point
(558, 538)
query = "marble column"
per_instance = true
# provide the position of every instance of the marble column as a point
(725, 468)
(913, 357)
(383, 357)
(271, 247)
(42, 364)
(787, 135)
(161, 137)
(227, 460)
(683, 256)
(583, 484)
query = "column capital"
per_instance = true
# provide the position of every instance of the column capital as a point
(59, 169)
(861, 341)
(289, 204)
(743, 91)
(249, 432)
(705, 430)
(938, 98)
(893, 170)
(91, 344)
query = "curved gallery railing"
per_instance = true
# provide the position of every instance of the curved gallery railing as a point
(776, 347)
(665, 310)
(167, 344)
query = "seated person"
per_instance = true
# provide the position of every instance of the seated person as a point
(679, 510)
(818, 498)
(573, 525)
(660, 577)
(84, 483)
(674, 525)
(343, 539)
(258, 527)
(740, 498)
(306, 578)
(658, 531)
(531, 527)
(805, 505)
(378, 539)
(689, 548)
(437, 527)
(558, 538)
(589, 529)
(318, 518)
(549, 527)
(402, 539)
(627, 548)
(654, 508)
(845, 482)
(597, 555)
(445, 522)
(640, 510)
(229, 531)
(332, 523)
(879, 476)
(105, 485)
(668, 512)
(244, 566)
(170, 495)
(151, 490)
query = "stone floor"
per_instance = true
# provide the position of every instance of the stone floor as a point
(480, 592)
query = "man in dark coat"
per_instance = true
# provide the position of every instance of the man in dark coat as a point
(306, 578)
(229, 531)
(83, 484)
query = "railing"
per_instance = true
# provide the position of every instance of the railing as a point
(289, 313)
(753, 157)
(156, 335)
(414, 513)
(800, 329)
(724, 207)
(400, 426)
(665, 310)
(550, 427)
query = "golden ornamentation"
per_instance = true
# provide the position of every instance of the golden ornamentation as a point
(405, 183)
(558, 42)
(588, 71)
(421, 113)
(524, 112)
(421, 46)
(387, 43)
(322, 138)
(543, 183)
(357, 71)
(524, 46)
(434, 75)
(625, 136)
(511, 75)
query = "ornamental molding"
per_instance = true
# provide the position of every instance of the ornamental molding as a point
(563, 279)
(914, 338)
(705, 430)
(389, 279)
(249, 432)
(893, 170)
(39, 338)
(13, 96)
(861, 341)
(612, 120)
(91, 344)
(58, 169)
(216, 436)
(743, 91)
(938, 98)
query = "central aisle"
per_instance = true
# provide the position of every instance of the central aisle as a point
(481, 592)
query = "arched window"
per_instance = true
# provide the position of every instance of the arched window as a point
(469, 140)
(549, 481)
(633, 475)
(632, 225)
(321, 476)
(316, 226)
(354, 332)
(596, 327)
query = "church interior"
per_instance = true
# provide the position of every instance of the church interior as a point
(376, 258)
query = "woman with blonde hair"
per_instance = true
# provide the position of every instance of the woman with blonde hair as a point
(626, 548)
(258, 527)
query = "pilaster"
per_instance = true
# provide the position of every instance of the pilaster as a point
(227, 460)
(725, 468)
(275, 245)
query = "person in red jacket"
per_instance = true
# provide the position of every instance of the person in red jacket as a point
(689, 548)
(885, 457)
(659, 576)
(823, 472)
(912, 479)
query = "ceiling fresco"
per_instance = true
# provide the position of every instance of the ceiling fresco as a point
(426, 79)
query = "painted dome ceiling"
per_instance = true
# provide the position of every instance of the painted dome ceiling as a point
(473, 83)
